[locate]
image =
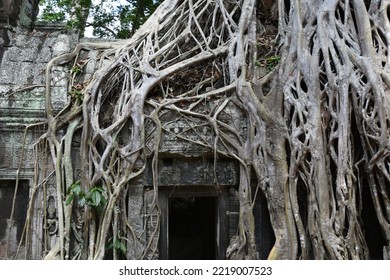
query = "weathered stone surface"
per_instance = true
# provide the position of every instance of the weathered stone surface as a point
(194, 172)
(62, 45)
(135, 211)
(195, 137)
(22, 70)
(24, 55)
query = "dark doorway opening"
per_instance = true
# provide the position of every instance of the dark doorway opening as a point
(11, 231)
(192, 228)
(372, 229)
(264, 233)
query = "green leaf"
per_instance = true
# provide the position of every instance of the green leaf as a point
(73, 191)
(75, 188)
(69, 199)
(123, 247)
(103, 201)
(95, 198)
(82, 201)
(119, 245)
(75, 69)
(109, 246)
(96, 189)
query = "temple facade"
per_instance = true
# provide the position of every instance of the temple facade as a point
(198, 197)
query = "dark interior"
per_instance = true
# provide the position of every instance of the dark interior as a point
(192, 228)
(372, 230)
(7, 189)
(264, 234)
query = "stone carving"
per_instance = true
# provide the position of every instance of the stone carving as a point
(184, 136)
(52, 219)
(178, 172)
(194, 136)
(170, 176)
(6, 158)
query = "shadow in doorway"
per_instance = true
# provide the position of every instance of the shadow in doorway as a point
(192, 228)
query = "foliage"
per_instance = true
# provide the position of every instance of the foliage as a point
(118, 243)
(94, 198)
(272, 62)
(72, 12)
(54, 11)
(75, 69)
(121, 21)
(268, 63)
(107, 18)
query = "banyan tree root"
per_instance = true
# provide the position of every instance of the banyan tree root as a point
(317, 123)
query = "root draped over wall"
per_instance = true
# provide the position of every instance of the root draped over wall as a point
(318, 122)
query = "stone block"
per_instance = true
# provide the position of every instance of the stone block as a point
(59, 76)
(62, 45)
(45, 55)
(38, 73)
(9, 71)
(4, 89)
(12, 54)
(25, 74)
(59, 97)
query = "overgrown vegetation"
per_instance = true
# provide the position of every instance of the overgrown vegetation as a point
(106, 18)
(318, 122)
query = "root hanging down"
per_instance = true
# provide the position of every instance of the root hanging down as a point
(316, 105)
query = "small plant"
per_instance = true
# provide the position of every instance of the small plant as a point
(118, 243)
(272, 62)
(77, 94)
(94, 198)
(75, 69)
(258, 63)
(268, 63)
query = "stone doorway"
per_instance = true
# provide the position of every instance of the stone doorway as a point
(192, 182)
(192, 228)
(194, 223)
(11, 231)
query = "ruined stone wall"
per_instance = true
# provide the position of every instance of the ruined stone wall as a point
(25, 50)
(24, 54)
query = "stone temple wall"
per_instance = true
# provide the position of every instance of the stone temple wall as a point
(24, 54)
